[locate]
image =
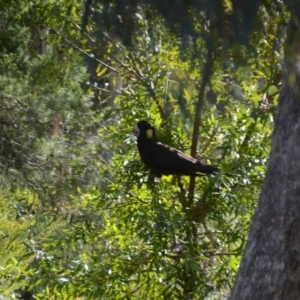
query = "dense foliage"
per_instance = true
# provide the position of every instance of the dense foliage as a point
(79, 218)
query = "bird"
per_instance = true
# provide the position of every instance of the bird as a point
(163, 159)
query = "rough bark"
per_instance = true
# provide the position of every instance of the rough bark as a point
(270, 267)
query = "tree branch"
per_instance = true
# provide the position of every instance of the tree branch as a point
(207, 69)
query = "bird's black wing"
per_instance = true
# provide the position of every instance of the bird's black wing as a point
(168, 160)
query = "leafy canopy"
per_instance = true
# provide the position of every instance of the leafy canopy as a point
(79, 217)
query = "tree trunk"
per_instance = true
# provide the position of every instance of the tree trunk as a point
(270, 267)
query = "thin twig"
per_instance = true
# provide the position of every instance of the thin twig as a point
(182, 195)
(85, 53)
(134, 70)
(150, 90)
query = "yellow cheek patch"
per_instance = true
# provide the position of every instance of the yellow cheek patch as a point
(149, 133)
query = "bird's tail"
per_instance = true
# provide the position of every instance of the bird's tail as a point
(207, 169)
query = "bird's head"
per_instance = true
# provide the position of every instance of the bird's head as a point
(144, 130)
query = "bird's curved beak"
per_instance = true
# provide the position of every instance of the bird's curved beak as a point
(136, 131)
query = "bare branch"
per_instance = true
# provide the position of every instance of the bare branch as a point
(204, 81)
